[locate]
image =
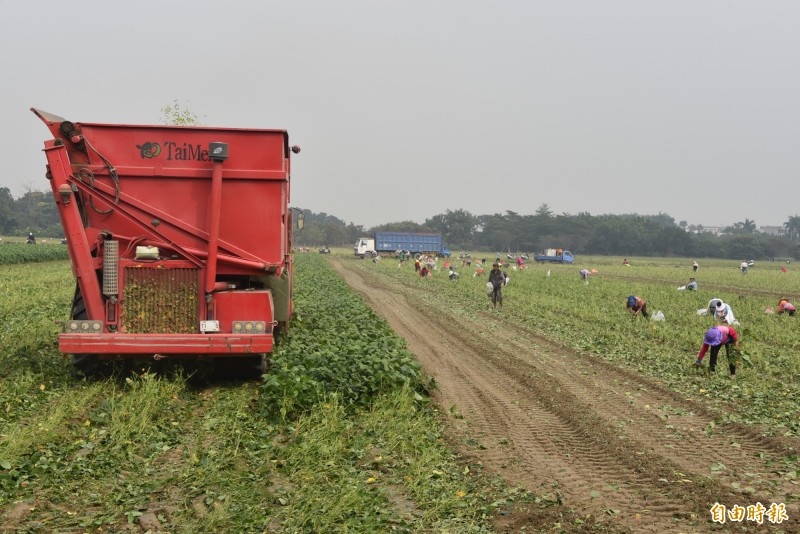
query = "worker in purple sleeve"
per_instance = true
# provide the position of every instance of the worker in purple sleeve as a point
(715, 338)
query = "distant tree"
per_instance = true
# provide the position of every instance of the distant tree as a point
(8, 219)
(457, 227)
(544, 211)
(354, 231)
(661, 219)
(746, 246)
(312, 234)
(402, 226)
(793, 227)
(739, 228)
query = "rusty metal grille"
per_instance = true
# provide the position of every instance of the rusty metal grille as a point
(160, 301)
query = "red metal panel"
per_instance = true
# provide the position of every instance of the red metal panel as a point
(149, 344)
(82, 262)
(232, 306)
(172, 147)
(164, 173)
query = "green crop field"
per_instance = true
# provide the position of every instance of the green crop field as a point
(339, 437)
(552, 300)
(11, 253)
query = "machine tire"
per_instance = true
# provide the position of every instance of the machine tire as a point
(241, 367)
(262, 363)
(82, 364)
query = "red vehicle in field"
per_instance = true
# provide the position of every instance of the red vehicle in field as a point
(180, 239)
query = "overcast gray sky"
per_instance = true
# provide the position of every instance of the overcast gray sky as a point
(405, 109)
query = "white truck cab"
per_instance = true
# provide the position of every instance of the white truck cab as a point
(365, 247)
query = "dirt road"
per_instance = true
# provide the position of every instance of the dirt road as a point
(602, 440)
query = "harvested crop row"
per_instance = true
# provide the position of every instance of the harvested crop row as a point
(11, 253)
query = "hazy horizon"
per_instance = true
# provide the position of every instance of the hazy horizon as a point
(405, 110)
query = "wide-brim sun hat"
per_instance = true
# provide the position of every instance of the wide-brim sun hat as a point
(713, 337)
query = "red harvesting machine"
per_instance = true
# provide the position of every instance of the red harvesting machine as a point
(180, 239)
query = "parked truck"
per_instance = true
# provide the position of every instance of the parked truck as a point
(555, 255)
(179, 239)
(416, 243)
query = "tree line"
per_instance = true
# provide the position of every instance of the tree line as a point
(34, 212)
(620, 235)
(583, 233)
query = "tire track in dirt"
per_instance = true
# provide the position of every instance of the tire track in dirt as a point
(674, 427)
(555, 421)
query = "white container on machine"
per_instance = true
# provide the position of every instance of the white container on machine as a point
(146, 253)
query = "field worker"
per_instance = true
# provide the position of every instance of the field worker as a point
(635, 305)
(626, 262)
(743, 267)
(715, 338)
(723, 312)
(785, 306)
(498, 279)
(695, 266)
(452, 275)
(417, 265)
(691, 286)
(520, 262)
(423, 272)
(585, 274)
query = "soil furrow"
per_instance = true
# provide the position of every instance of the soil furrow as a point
(607, 440)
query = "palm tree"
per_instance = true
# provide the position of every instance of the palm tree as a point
(793, 227)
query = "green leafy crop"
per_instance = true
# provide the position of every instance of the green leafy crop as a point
(336, 344)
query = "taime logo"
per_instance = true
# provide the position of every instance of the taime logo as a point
(173, 151)
(149, 150)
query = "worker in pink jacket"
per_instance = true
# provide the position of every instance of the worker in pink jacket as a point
(785, 306)
(715, 338)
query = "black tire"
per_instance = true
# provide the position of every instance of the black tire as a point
(262, 364)
(241, 367)
(82, 364)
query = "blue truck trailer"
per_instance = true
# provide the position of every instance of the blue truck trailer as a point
(415, 243)
(554, 255)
